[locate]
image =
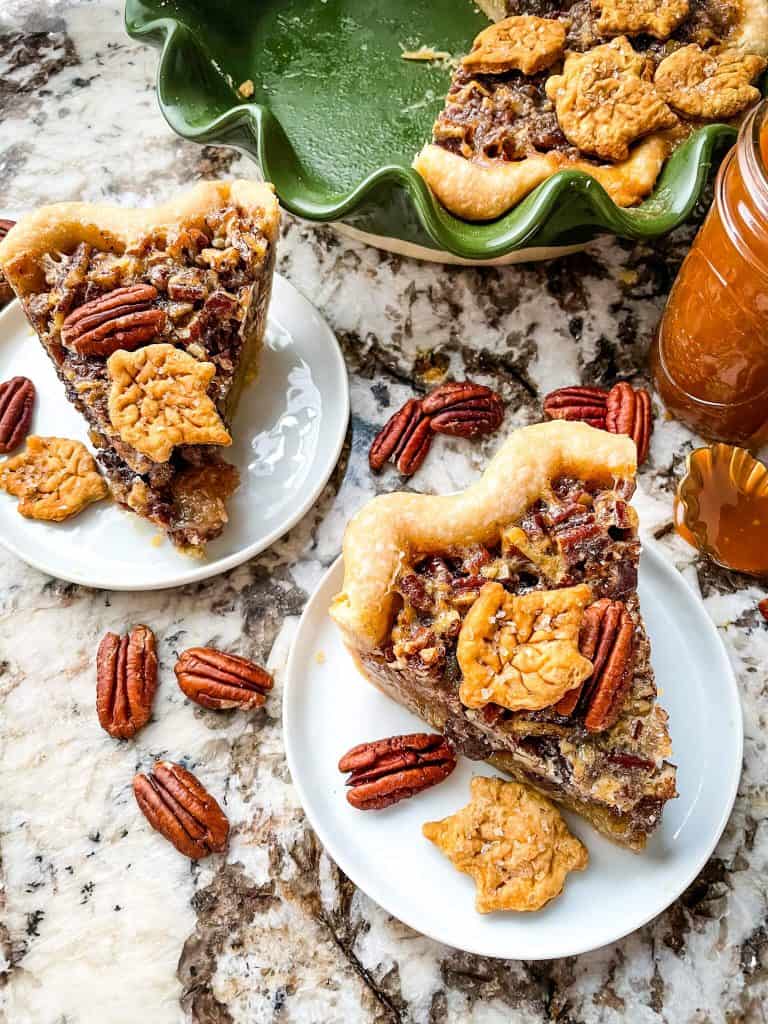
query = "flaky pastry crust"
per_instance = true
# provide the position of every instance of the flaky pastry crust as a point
(711, 84)
(158, 399)
(603, 101)
(513, 842)
(522, 651)
(658, 18)
(63, 226)
(521, 43)
(476, 190)
(750, 33)
(394, 529)
(54, 478)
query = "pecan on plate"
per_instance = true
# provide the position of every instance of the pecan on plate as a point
(628, 411)
(121, 319)
(383, 772)
(217, 680)
(17, 397)
(607, 638)
(126, 681)
(577, 403)
(180, 808)
(404, 439)
(463, 409)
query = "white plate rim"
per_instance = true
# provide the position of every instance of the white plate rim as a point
(205, 570)
(676, 581)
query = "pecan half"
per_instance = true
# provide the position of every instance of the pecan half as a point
(630, 761)
(413, 449)
(217, 680)
(383, 772)
(398, 428)
(622, 410)
(126, 681)
(628, 411)
(463, 409)
(607, 639)
(180, 808)
(121, 319)
(17, 398)
(577, 403)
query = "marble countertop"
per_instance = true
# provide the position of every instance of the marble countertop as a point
(97, 923)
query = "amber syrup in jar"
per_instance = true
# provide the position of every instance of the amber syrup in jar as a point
(710, 357)
(721, 507)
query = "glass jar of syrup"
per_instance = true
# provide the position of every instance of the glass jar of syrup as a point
(710, 357)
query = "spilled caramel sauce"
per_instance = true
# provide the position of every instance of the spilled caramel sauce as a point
(721, 507)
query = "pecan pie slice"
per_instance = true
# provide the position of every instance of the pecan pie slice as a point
(507, 617)
(154, 319)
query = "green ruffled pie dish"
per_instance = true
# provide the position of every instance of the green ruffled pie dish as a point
(336, 118)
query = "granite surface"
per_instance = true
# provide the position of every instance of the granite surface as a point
(102, 922)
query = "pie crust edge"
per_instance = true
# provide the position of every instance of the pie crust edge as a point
(62, 226)
(483, 191)
(386, 531)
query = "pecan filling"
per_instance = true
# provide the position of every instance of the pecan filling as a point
(604, 741)
(508, 116)
(578, 534)
(197, 289)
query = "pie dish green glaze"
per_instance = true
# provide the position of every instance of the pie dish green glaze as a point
(336, 117)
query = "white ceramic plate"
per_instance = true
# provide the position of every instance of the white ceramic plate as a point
(288, 432)
(328, 707)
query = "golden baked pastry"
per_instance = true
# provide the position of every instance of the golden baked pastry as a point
(54, 478)
(522, 43)
(603, 102)
(658, 18)
(559, 693)
(504, 130)
(522, 653)
(158, 400)
(110, 289)
(484, 191)
(513, 842)
(709, 84)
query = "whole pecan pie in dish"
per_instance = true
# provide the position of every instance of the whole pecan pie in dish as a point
(154, 319)
(608, 87)
(507, 617)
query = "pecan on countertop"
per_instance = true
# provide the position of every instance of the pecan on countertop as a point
(126, 681)
(217, 680)
(181, 809)
(384, 772)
